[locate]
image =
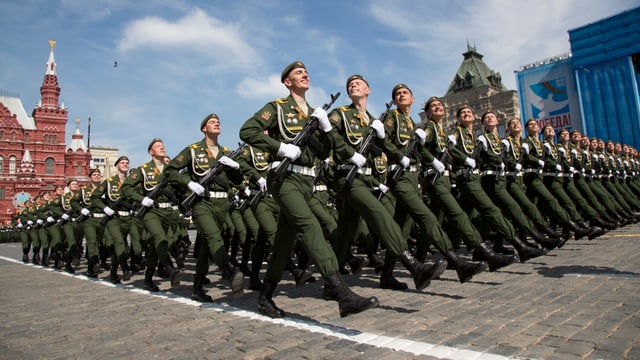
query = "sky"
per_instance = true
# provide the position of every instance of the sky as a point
(179, 60)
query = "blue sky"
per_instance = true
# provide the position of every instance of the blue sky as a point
(179, 60)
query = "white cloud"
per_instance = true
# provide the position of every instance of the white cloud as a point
(197, 32)
(261, 88)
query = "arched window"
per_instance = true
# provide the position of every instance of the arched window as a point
(12, 164)
(13, 135)
(1, 164)
(26, 137)
(79, 172)
(49, 166)
(2, 193)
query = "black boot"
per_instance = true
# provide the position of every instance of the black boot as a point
(266, 306)
(301, 276)
(113, 272)
(547, 243)
(36, 256)
(578, 231)
(45, 258)
(464, 269)
(92, 265)
(422, 273)
(25, 256)
(57, 260)
(375, 262)
(234, 277)
(126, 271)
(349, 303)
(526, 252)
(148, 279)
(601, 222)
(498, 247)
(356, 263)
(175, 275)
(595, 232)
(68, 259)
(552, 233)
(387, 280)
(495, 260)
(198, 294)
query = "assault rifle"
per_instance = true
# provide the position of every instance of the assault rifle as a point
(208, 178)
(153, 194)
(120, 203)
(443, 158)
(303, 136)
(475, 155)
(251, 201)
(367, 145)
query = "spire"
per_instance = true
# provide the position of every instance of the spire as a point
(77, 142)
(50, 91)
(51, 64)
(26, 169)
(474, 73)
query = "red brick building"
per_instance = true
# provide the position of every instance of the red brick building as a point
(34, 157)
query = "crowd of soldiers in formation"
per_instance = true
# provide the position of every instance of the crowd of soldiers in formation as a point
(503, 200)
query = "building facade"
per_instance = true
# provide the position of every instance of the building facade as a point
(34, 157)
(481, 88)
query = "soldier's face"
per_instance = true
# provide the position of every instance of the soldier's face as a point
(490, 119)
(563, 137)
(212, 126)
(73, 186)
(157, 149)
(548, 132)
(594, 144)
(532, 127)
(435, 109)
(576, 138)
(358, 88)
(123, 166)
(404, 97)
(515, 126)
(466, 116)
(297, 79)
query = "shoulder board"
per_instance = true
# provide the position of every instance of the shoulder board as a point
(344, 108)
(280, 100)
(225, 149)
(394, 112)
(194, 145)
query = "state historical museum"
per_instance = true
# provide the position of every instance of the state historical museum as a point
(34, 157)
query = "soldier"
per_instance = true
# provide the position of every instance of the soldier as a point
(21, 224)
(492, 168)
(464, 163)
(72, 231)
(272, 129)
(161, 216)
(55, 232)
(93, 232)
(117, 224)
(209, 210)
(437, 182)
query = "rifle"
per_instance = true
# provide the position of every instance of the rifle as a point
(209, 177)
(474, 156)
(443, 158)
(121, 202)
(366, 145)
(251, 201)
(303, 136)
(153, 194)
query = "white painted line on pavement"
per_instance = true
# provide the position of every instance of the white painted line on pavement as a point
(381, 341)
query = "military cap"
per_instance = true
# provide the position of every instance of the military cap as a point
(206, 118)
(490, 111)
(94, 170)
(398, 87)
(289, 68)
(123, 157)
(465, 106)
(155, 140)
(354, 77)
(430, 101)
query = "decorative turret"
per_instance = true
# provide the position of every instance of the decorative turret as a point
(474, 73)
(77, 142)
(50, 91)
(26, 170)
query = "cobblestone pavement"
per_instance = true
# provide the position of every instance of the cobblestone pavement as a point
(578, 302)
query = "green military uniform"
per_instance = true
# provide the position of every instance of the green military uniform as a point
(71, 229)
(91, 228)
(161, 220)
(55, 232)
(190, 165)
(21, 219)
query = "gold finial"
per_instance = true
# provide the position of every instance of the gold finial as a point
(77, 120)
(52, 43)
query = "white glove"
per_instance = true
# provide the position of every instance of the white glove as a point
(452, 139)
(358, 160)
(197, 188)
(323, 120)
(39, 222)
(438, 165)
(626, 163)
(109, 211)
(289, 151)
(501, 166)
(227, 161)
(383, 188)
(470, 162)
(50, 219)
(601, 157)
(246, 191)
(405, 162)
(572, 169)
(262, 184)
(562, 150)
(541, 163)
(146, 202)
(85, 212)
(378, 127)
(422, 136)
(65, 217)
(574, 152)
(525, 147)
(19, 226)
(558, 167)
(518, 167)
(547, 148)
(506, 145)
(483, 140)
(593, 171)
(29, 222)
